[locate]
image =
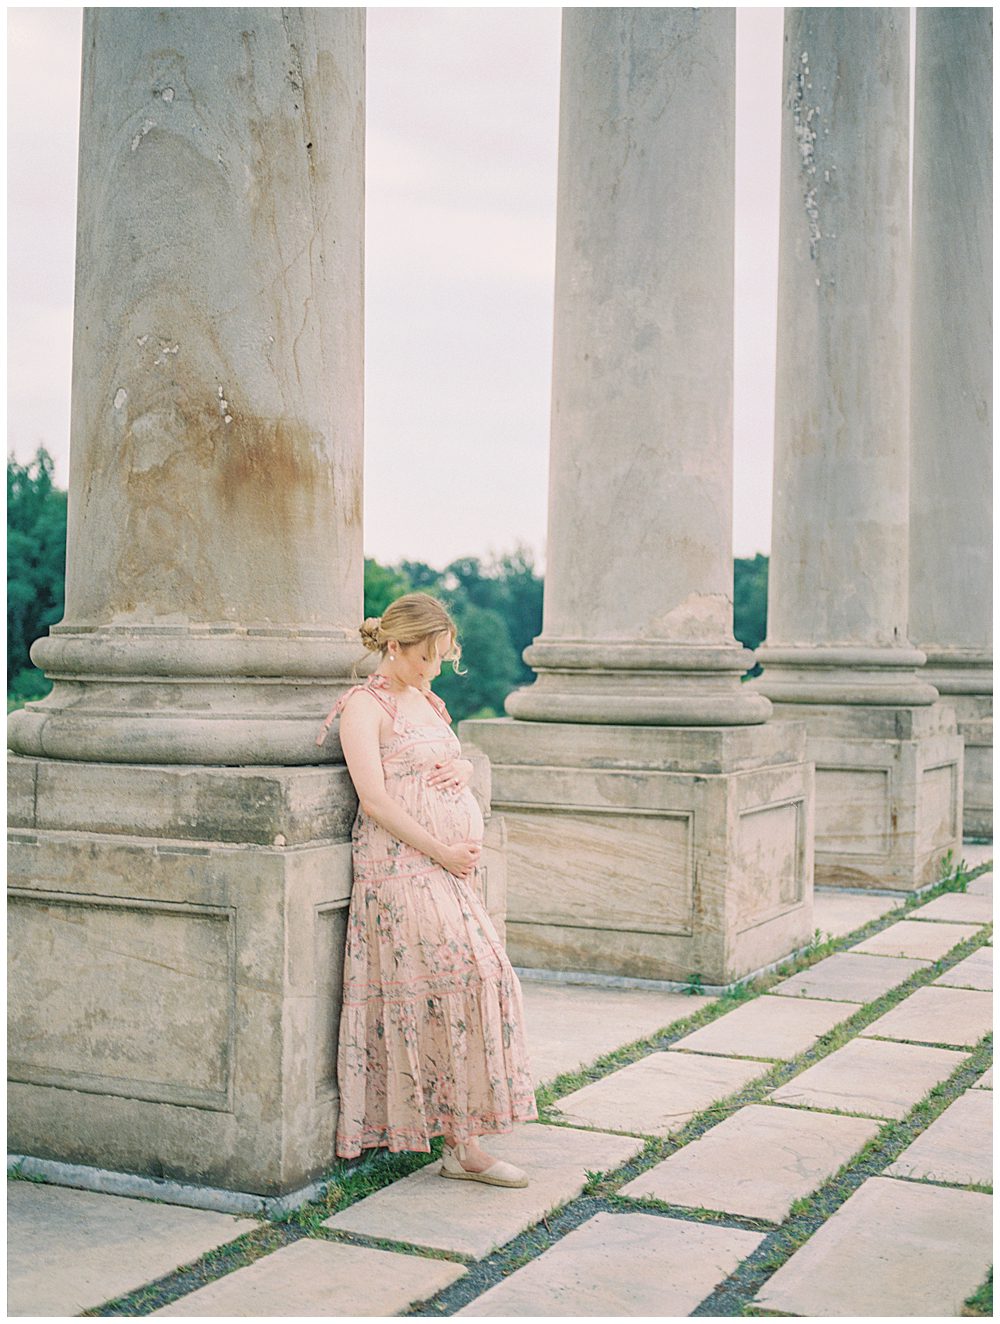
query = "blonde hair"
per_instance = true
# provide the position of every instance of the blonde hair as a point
(411, 619)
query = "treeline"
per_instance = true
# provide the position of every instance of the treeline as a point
(496, 604)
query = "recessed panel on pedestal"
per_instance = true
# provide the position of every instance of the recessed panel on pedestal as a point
(769, 862)
(937, 807)
(853, 813)
(92, 976)
(591, 868)
(329, 936)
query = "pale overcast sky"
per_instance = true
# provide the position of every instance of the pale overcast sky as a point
(461, 182)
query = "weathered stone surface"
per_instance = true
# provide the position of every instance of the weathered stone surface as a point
(956, 1147)
(756, 1162)
(871, 1077)
(70, 1251)
(849, 977)
(838, 913)
(958, 1016)
(658, 1094)
(894, 1248)
(973, 971)
(315, 1279)
(572, 1025)
(621, 1264)
(957, 907)
(768, 1027)
(985, 1081)
(474, 1219)
(981, 886)
(920, 938)
(951, 443)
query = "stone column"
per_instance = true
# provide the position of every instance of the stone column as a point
(637, 622)
(888, 765)
(214, 561)
(951, 398)
(622, 769)
(177, 926)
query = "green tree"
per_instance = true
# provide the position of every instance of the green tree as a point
(490, 661)
(36, 568)
(750, 601)
(383, 584)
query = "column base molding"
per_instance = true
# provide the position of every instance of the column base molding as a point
(638, 682)
(186, 695)
(653, 853)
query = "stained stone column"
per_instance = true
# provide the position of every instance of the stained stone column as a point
(657, 827)
(176, 926)
(888, 759)
(951, 398)
(214, 561)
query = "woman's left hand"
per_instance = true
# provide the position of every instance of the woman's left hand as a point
(450, 775)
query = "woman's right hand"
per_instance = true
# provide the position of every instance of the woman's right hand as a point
(461, 857)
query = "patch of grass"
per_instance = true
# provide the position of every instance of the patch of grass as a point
(981, 1300)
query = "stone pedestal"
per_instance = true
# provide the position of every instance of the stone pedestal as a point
(654, 852)
(178, 886)
(176, 939)
(888, 792)
(951, 386)
(837, 653)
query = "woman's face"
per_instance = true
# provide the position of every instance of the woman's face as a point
(421, 662)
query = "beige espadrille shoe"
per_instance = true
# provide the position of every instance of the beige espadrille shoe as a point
(499, 1173)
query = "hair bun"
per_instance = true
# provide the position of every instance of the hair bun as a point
(369, 632)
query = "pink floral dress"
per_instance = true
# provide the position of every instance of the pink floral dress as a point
(431, 1039)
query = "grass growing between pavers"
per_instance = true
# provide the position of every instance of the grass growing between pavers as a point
(371, 1172)
(807, 1214)
(981, 1300)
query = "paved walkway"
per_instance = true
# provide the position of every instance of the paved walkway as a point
(821, 1148)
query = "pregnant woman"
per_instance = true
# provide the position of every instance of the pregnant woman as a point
(431, 1032)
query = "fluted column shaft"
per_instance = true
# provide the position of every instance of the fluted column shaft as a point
(637, 622)
(214, 562)
(838, 579)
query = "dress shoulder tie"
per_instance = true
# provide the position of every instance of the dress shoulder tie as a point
(377, 686)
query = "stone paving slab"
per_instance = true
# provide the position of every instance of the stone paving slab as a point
(975, 853)
(955, 1016)
(317, 1279)
(870, 1076)
(756, 1162)
(956, 1147)
(973, 971)
(894, 1248)
(70, 1250)
(849, 977)
(637, 1265)
(922, 938)
(473, 1219)
(956, 907)
(838, 912)
(659, 1094)
(571, 1025)
(981, 886)
(985, 1081)
(768, 1027)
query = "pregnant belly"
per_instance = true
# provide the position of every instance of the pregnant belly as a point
(455, 815)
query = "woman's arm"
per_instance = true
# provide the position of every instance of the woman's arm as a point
(359, 738)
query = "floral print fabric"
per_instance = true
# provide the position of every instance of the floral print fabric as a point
(431, 1039)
